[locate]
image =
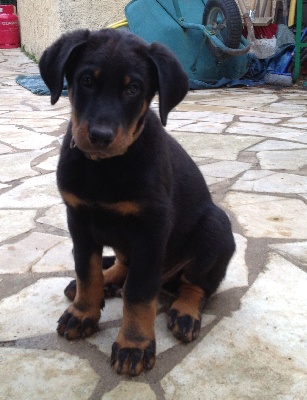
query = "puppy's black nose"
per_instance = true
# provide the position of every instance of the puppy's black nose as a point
(101, 136)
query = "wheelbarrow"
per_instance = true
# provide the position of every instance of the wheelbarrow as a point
(205, 35)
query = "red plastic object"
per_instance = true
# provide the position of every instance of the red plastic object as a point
(9, 28)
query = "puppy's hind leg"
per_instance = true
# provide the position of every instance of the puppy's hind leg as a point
(212, 245)
(184, 316)
(115, 276)
(71, 288)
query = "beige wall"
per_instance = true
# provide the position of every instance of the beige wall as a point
(43, 21)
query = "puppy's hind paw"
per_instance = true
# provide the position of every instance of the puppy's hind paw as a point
(184, 327)
(71, 290)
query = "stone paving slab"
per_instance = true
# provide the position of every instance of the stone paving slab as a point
(251, 145)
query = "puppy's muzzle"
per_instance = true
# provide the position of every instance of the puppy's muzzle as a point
(101, 136)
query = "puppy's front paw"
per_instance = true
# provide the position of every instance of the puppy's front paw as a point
(184, 327)
(132, 358)
(75, 324)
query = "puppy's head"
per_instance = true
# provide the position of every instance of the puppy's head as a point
(112, 77)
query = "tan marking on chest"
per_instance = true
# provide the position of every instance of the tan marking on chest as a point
(123, 207)
(73, 200)
(120, 207)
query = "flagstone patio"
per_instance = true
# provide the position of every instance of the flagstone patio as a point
(251, 145)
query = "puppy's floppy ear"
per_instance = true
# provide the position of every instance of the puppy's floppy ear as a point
(172, 80)
(54, 59)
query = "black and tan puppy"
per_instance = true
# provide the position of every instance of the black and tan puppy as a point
(127, 184)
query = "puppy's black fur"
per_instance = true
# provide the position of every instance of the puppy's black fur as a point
(129, 185)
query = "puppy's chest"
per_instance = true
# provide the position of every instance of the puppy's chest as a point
(112, 189)
(98, 185)
(98, 206)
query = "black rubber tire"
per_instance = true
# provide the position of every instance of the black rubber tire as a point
(230, 31)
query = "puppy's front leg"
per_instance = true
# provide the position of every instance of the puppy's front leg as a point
(81, 318)
(135, 346)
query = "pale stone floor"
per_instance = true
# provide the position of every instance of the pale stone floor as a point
(251, 145)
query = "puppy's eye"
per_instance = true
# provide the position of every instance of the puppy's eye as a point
(132, 90)
(86, 81)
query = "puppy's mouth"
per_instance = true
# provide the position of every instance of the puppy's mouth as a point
(93, 153)
(102, 141)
